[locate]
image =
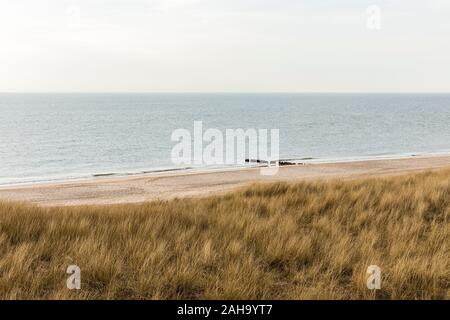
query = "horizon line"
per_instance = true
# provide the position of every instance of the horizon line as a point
(224, 92)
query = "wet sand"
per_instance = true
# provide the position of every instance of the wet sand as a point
(169, 185)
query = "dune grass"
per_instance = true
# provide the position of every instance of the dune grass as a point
(309, 240)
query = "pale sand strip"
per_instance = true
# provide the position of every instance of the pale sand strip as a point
(170, 185)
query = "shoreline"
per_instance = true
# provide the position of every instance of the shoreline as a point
(184, 170)
(194, 183)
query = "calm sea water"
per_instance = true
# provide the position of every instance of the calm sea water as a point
(46, 137)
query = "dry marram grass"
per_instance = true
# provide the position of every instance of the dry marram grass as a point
(310, 240)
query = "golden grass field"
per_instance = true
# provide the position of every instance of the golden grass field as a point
(308, 240)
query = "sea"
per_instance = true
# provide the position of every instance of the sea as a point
(66, 136)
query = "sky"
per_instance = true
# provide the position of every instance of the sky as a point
(224, 46)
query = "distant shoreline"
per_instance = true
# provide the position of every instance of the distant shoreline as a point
(187, 169)
(168, 185)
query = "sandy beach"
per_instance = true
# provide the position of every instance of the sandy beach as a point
(191, 184)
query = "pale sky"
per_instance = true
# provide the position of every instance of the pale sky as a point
(224, 46)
